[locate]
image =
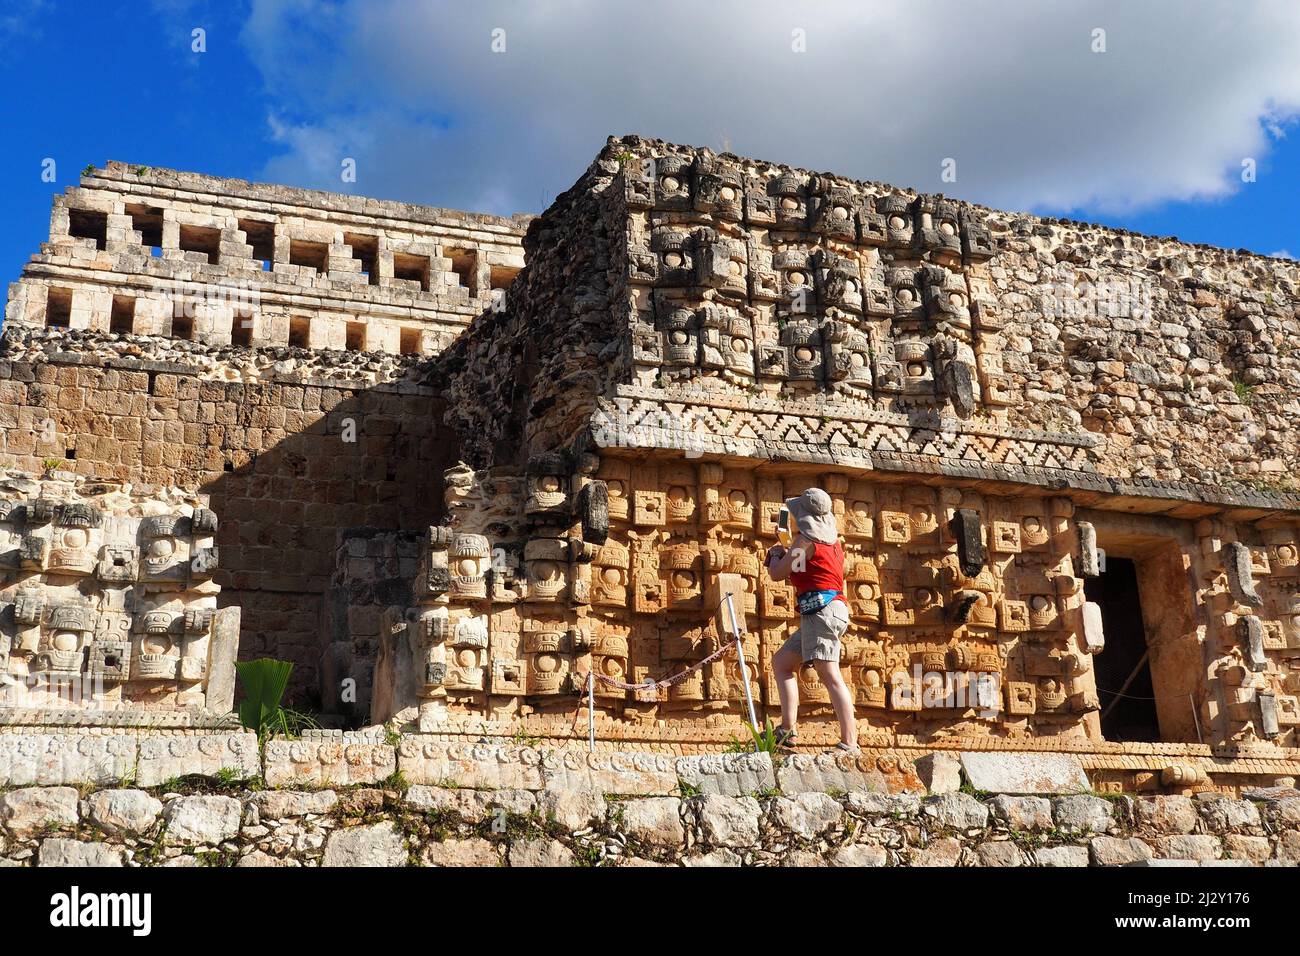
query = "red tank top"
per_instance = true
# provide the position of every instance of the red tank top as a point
(823, 571)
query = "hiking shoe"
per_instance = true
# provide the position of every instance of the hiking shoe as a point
(786, 739)
(852, 750)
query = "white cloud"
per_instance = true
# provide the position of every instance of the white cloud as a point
(886, 90)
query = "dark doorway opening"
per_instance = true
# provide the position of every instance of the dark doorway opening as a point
(1128, 713)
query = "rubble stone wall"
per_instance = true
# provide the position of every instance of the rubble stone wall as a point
(492, 808)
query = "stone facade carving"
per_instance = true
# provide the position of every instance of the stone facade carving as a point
(108, 599)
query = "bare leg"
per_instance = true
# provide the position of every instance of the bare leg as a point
(785, 664)
(841, 700)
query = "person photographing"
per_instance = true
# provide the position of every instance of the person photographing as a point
(813, 563)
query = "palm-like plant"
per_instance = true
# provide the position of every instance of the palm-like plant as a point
(264, 681)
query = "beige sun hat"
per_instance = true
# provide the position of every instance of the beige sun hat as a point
(811, 512)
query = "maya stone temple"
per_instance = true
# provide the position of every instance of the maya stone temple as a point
(451, 464)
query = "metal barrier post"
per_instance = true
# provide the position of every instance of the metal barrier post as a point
(740, 650)
(591, 711)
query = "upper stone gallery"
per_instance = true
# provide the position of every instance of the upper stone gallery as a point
(1062, 457)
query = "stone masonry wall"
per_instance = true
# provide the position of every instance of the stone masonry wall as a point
(724, 305)
(493, 806)
(160, 252)
(268, 447)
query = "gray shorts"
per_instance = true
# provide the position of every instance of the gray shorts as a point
(818, 637)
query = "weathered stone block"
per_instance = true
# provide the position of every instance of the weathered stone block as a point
(807, 815)
(727, 821)
(57, 851)
(729, 775)
(1015, 773)
(1083, 814)
(653, 820)
(166, 758)
(201, 820)
(123, 812)
(32, 809)
(340, 761)
(801, 773)
(1167, 814)
(55, 759)
(1022, 813)
(540, 853)
(1114, 851)
(369, 845)
(959, 810)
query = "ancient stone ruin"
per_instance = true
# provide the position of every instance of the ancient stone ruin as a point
(1062, 458)
(110, 602)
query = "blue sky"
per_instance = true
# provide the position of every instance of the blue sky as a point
(1148, 134)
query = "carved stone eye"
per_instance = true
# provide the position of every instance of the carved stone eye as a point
(905, 296)
(76, 538)
(897, 222)
(955, 298)
(861, 509)
(546, 663)
(727, 193)
(162, 548)
(789, 202)
(614, 487)
(797, 278)
(947, 228)
(467, 567)
(549, 483)
(683, 579)
(465, 657)
(156, 644)
(66, 641)
(803, 354)
(671, 183)
(612, 576)
(1031, 523)
(915, 369)
(1038, 603)
(738, 499)
(679, 337)
(851, 285)
(677, 495)
(673, 259)
(734, 268)
(839, 212)
(866, 592)
(740, 345)
(857, 360)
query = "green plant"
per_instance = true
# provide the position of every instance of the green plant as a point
(88, 169)
(51, 465)
(1245, 393)
(264, 681)
(229, 776)
(766, 740)
(141, 170)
